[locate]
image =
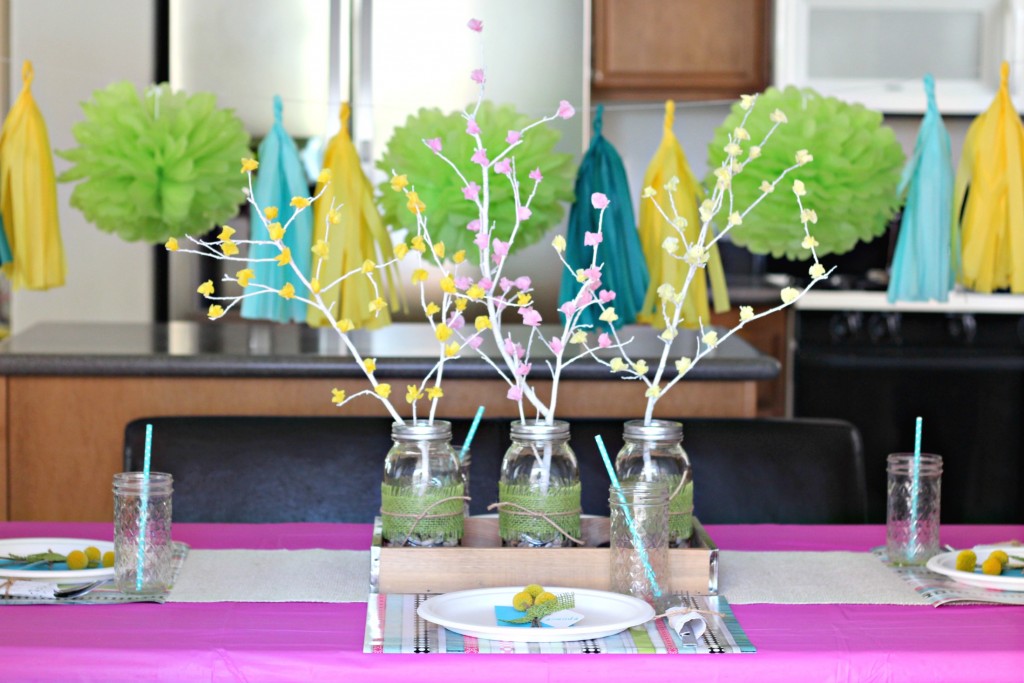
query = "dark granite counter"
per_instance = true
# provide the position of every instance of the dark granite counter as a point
(233, 349)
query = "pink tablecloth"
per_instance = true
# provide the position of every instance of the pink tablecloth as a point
(292, 641)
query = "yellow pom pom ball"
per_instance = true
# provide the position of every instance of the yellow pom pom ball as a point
(92, 553)
(77, 560)
(522, 601)
(534, 590)
(544, 597)
(999, 555)
(108, 558)
(965, 560)
(992, 566)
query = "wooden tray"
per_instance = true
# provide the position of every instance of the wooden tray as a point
(481, 562)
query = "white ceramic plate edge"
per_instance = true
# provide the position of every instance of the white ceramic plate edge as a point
(61, 575)
(945, 563)
(642, 613)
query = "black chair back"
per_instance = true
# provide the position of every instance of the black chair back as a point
(280, 469)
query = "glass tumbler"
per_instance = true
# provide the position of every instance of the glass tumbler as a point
(142, 533)
(639, 539)
(912, 519)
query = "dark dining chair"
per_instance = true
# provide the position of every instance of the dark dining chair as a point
(279, 469)
(786, 471)
(273, 469)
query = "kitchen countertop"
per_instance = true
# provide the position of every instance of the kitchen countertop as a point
(959, 302)
(246, 349)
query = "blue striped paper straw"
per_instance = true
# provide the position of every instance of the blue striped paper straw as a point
(144, 510)
(915, 485)
(638, 542)
(471, 433)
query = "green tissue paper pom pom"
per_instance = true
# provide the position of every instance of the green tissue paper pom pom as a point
(851, 183)
(156, 165)
(440, 188)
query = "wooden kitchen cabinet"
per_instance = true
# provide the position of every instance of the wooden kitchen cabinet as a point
(680, 49)
(770, 335)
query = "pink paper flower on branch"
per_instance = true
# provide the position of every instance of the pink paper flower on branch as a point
(478, 77)
(480, 157)
(471, 192)
(474, 225)
(514, 394)
(523, 213)
(513, 349)
(500, 248)
(565, 110)
(536, 176)
(530, 317)
(475, 25)
(568, 308)
(523, 282)
(604, 341)
(592, 239)
(556, 345)
(599, 200)
(606, 295)
(524, 369)
(434, 144)
(472, 128)
(513, 137)
(504, 166)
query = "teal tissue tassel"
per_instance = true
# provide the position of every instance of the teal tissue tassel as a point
(625, 269)
(926, 259)
(5, 248)
(280, 177)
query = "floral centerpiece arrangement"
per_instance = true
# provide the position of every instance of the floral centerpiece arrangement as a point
(653, 447)
(422, 491)
(539, 490)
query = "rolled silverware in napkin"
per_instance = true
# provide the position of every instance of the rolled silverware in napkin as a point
(689, 625)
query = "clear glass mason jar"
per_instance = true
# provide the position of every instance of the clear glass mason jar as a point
(912, 507)
(422, 490)
(143, 555)
(639, 539)
(655, 452)
(539, 488)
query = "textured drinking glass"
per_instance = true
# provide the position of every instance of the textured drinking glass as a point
(912, 519)
(642, 549)
(142, 516)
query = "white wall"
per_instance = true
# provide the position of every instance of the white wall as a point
(76, 48)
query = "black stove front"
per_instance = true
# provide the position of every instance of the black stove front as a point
(962, 373)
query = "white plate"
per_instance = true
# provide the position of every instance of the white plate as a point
(471, 613)
(59, 573)
(945, 563)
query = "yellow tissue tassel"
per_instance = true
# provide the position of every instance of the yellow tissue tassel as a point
(670, 162)
(359, 236)
(989, 197)
(28, 195)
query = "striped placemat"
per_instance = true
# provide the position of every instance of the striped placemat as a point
(393, 627)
